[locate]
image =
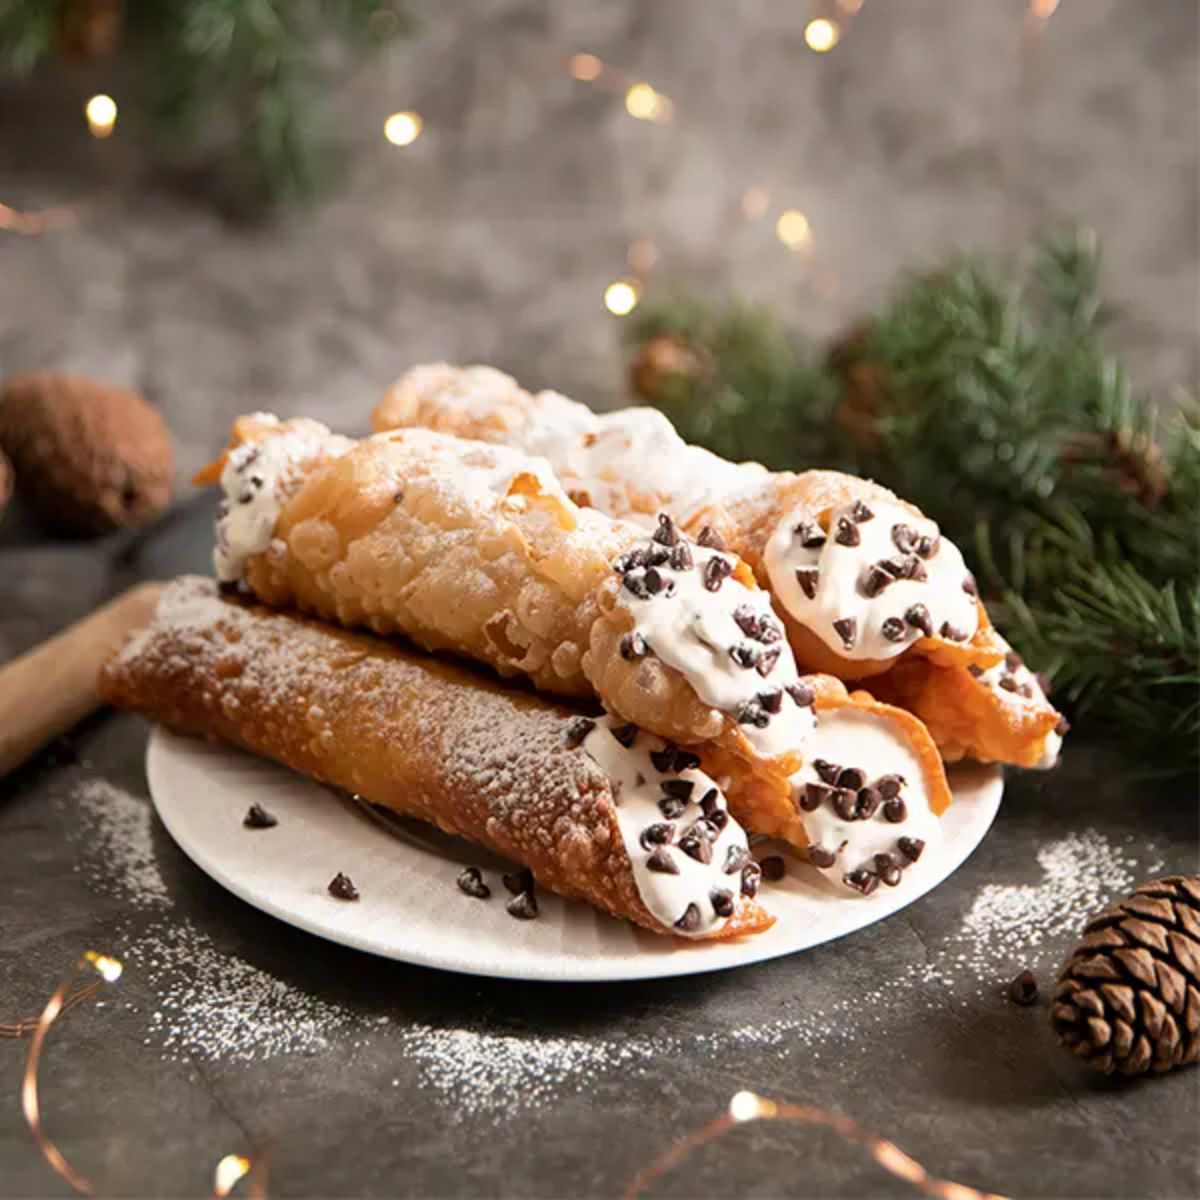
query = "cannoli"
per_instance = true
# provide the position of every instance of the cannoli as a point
(596, 809)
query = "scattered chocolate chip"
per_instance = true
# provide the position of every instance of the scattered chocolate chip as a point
(229, 587)
(630, 561)
(748, 621)
(471, 882)
(524, 907)
(875, 579)
(1008, 683)
(519, 881)
(704, 829)
(1013, 661)
(722, 902)
(903, 538)
(771, 700)
(686, 760)
(654, 581)
(847, 533)
(895, 810)
(808, 578)
(860, 512)
(821, 856)
(1063, 727)
(918, 617)
(663, 759)
(657, 555)
(893, 629)
(766, 662)
(658, 834)
(1026, 690)
(802, 695)
(1024, 989)
(697, 847)
(751, 877)
(828, 771)
(773, 867)
(342, 886)
(911, 848)
(662, 862)
(750, 712)
(851, 777)
(257, 817)
(952, 633)
(625, 735)
(681, 558)
(811, 536)
(914, 568)
(671, 807)
(681, 789)
(812, 796)
(861, 880)
(928, 546)
(974, 670)
(891, 875)
(718, 818)
(578, 730)
(882, 861)
(666, 533)
(771, 632)
(845, 804)
(970, 586)
(847, 629)
(711, 538)
(744, 654)
(869, 801)
(398, 497)
(690, 921)
(633, 646)
(888, 786)
(635, 584)
(709, 802)
(716, 571)
(736, 857)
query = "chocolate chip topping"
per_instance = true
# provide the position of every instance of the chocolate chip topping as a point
(773, 867)
(672, 807)
(890, 875)
(869, 801)
(771, 700)
(893, 629)
(974, 670)
(845, 804)
(662, 861)
(751, 712)
(751, 877)
(744, 654)
(690, 921)
(681, 558)
(1063, 727)
(808, 578)
(633, 646)
(578, 730)
(1024, 989)
(658, 834)
(809, 534)
(635, 584)
(918, 618)
(1013, 661)
(686, 760)
(471, 882)
(524, 907)
(716, 571)
(828, 771)
(519, 881)
(710, 538)
(895, 810)
(951, 633)
(342, 886)
(666, 534)
(861, 880)
(847, 533)
(860, 512)
(812, 796)
(821, 856)
(722, 902)
(681, 789)
(257, 817)
(696, 846)
(847, 629)
(875, 579)
(911, 848)
(851, 777)
(766, 662)
(801, 693)
(970, 586)
(710, 802)
(889, 785)
(630, 561)
(928, 546)
(736, 857)
(654, 581)
(1008, 683)
(625, 735)
(903, 538)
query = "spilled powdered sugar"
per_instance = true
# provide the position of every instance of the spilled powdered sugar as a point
(207, 1003)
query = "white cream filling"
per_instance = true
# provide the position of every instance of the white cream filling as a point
(841, 578)
(851, 738)
(692, 628)
(1021, 690)
(683, 901)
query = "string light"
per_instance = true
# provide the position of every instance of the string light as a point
(621, 297)
(403, 128)
(644, 103)
(101, 113)
(230, 1170)
(747, 1106)
(586, 67)
(822, 34)
(793, 229)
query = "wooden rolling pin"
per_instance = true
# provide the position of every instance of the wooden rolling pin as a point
(53, 687)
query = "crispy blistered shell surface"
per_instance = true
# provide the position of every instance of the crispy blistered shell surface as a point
(425, 738)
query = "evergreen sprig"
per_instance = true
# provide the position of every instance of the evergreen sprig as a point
(990, 398)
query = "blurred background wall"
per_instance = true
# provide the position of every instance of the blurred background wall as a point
(932, 125)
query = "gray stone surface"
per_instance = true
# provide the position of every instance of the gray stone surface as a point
(492, 239)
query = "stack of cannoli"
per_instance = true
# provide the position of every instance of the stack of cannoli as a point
(607, 655)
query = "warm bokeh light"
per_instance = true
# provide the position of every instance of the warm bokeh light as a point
(850, 7)
(644, 103)
(231, 1169)
(755, 201)
(403, 128)
(101, 113)
(621, 298)
(1043, 9)
(821, 34)
(745, 1106)
(586, 67)
(793, 229)
(108, 968)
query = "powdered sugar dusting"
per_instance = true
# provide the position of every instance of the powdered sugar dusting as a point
(120, 859)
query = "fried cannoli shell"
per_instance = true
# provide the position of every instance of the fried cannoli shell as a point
(424, 738)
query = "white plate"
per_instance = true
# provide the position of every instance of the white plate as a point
(411, 909)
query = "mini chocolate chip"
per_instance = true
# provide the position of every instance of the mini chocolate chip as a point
(711, 538)
(911, 848)
(766, 662)
(750, 712)
(903, 538)
(398, 497)
(802, 695)
(813, 796)
(257, 817)
(633, 646)
(666, 533)
(690, 921)
(845, 804)
(820, 856)
(914, 569)
(928, 546)
(828, 771)
(918, 617)
(635, 584)
(1013, 661)
(951, 633)
(1026, 690)
(719, 818)
(578, 730)
(229, 587)
(716, 571)
(847, 532)
(524, 907)
(626, 735)
(1008, 683)
(672, 807)
(808, 578)
(686, 760)
(519, 881)
(699, 848)
(342, 886)
(663, 759)
(657, 555)
(471, 882)
(811, 536)
(869, 801)
(974, 670)
(883, 861)
(895, 810)
(703, 829)
(847, 629)
(744, 654)
(970, 586)
(681, 789)
(773, 867)
(709, 802)
(748, 621)
(681, 558)
(888, 786)
(875, 579)
(770, 632)
(851, 777)
(751, 877)
(1063, 727)
(772, 700)
(654, 581)
(736, 857)
(658, 834)
(722, 902)
(860, 512)
(629, 561)
(893, 629)
(662, 862)
(1024, 989)
(890, 875)
(861, 880)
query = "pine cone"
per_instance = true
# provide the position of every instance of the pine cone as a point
(1128, 998)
